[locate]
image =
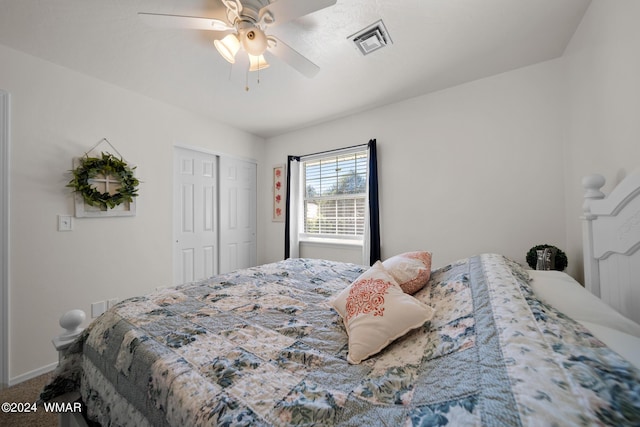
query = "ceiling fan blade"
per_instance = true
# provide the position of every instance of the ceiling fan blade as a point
(281, 11)
(185, 22)
(292, 57)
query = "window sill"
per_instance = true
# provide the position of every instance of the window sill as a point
(316, 241)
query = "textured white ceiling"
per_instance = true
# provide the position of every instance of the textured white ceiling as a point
(436, 44)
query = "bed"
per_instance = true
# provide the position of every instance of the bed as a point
(483, 342)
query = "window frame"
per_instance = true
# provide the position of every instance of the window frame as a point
(334, 238)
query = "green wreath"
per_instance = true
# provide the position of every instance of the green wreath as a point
(560, 261)
(107, 165)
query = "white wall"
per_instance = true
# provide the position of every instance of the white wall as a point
(58, 114)
(475, 168)
(603, 95)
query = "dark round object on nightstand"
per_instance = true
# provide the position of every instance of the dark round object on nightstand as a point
(560, 262)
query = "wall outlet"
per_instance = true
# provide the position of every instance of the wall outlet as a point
(112, 302)
(97, 308)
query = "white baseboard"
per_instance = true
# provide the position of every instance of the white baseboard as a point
(32, 374)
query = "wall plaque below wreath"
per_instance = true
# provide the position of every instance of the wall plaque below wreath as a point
(104, 186)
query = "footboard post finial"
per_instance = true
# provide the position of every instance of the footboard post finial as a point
(592, 185)
(70, 322)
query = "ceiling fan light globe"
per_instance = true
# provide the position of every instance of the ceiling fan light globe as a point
(257, 63)
(254, 42)
(228, 47)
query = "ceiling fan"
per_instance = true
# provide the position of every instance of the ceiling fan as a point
(245, 28)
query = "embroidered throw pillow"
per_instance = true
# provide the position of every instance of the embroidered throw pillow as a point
(410, 269)
(376, 311)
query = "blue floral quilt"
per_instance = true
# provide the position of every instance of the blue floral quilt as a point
(262, 346)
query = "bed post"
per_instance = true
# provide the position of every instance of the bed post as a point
(71, 322)
(592, 184)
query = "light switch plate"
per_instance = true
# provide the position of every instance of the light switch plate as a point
(65, 223)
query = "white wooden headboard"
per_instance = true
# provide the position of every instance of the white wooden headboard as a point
(611, 242)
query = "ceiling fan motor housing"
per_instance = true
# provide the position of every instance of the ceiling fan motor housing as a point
(249, 12)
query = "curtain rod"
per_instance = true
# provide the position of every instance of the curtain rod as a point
(334, 150)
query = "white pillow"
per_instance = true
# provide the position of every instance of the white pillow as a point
(376, 311)
(567, 295)
(410, 269)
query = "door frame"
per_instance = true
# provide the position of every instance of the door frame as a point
(5, 104)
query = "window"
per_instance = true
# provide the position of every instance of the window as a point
(333, 196)
(335, 189)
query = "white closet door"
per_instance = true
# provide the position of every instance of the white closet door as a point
(195, 215)
(238, 204)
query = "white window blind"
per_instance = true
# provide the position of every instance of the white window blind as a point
(335, 195)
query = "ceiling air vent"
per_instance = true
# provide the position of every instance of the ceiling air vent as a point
(371, 38)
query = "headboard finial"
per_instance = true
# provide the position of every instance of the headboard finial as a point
(592, 185)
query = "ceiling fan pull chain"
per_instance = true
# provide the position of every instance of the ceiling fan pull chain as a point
(246, 87)
(258, 70)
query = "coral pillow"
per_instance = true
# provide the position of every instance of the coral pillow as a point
(376, 311)
(411, 270)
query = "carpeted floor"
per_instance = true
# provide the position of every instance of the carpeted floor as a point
(27, 392)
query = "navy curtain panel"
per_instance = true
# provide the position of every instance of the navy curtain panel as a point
(374, 205)
(287, 209)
